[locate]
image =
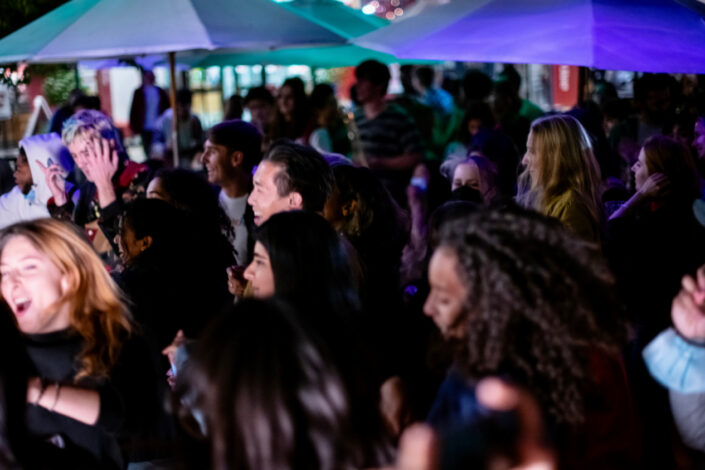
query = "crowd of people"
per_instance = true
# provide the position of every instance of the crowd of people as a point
(447, 278)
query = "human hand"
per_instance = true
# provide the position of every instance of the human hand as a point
(532, 453)
(34, 389)
(236, 280)
(102, 161)
(419, 448)
(657, 184)
(170, 353)
(56, 180)
(688, 307)
(101, 166)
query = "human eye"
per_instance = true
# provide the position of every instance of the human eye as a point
(29, 267)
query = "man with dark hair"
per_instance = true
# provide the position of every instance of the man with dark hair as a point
(390, 140)
(290, 177)
(231, 151)
(437, 98)
(260, 102)
(190, 131)
(148, 103)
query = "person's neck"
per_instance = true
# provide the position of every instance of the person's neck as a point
(236, 187)
(374, 107)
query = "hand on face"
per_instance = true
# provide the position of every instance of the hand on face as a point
(102, 162)
(657, 184)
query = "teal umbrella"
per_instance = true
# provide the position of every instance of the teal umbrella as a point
(87, 29)
(329, 14)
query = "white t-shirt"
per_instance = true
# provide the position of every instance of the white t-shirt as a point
(235, 209)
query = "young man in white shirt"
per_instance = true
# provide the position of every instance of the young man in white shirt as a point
(231, 151)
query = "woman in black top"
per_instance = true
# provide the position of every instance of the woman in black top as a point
(83, 376)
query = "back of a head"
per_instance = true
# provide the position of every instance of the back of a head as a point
(511, 75)
(259, 93)
(378, 219)
(477, 86)
(425, 76)
(238, 135)
(234, 108)
(303, 170)
(540, 298)
(321, 95)
(674, 160)
(374, 71)
(156, 219)
(184, 97)
(271, 396)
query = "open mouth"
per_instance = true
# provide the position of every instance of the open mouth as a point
(22, 305)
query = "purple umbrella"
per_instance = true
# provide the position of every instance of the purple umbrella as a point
(640, 35)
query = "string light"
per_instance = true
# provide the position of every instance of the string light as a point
(398, 12)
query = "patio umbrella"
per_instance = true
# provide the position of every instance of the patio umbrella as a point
(639, 35)
(332, 15)
(88, 29)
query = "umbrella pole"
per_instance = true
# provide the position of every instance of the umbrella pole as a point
(175, 115)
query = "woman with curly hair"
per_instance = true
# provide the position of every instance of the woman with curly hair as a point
(516, 296)
(75, 328)
(561, 178)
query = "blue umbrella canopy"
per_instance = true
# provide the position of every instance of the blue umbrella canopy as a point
(639, 35)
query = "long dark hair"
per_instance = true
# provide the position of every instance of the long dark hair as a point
(269, 394)
(312, 270)
(301, 120)
(309, 262)
(538, 299)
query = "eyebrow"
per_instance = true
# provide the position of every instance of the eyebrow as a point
(28, 257)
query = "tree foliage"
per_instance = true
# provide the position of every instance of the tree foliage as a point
(16, 13)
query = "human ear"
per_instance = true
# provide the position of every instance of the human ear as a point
(236, 158)
(295, 200)
(145, 242)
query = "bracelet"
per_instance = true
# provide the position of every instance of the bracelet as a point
(42, 388)
(56, 397)
(693, 342)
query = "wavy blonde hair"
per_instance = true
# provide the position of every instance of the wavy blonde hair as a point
(98, 313)
(564, 168)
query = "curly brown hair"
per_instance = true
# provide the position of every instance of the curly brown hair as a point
(538, 300)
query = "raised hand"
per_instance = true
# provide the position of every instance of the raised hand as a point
(101, 165)
(657, 184)
(56, 180)
(688, 307)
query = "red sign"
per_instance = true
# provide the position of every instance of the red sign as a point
(565, 86)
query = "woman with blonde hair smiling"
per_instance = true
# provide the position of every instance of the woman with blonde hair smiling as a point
(75, 328)
(561, 177)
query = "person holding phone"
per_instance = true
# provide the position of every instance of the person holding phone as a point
(110, 179)
(28, 199)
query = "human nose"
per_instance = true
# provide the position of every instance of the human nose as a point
(428, 306)
(249, 274)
